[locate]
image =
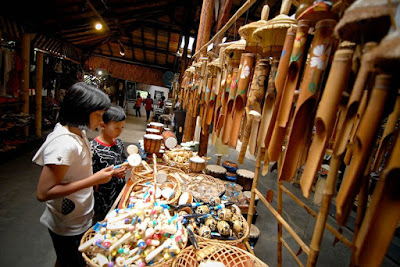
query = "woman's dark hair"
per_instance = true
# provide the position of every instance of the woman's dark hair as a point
(80, 100)
(114, 113)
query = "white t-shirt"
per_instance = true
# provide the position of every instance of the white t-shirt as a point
(72, 214)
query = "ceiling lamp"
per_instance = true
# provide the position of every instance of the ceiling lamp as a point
(98, 26)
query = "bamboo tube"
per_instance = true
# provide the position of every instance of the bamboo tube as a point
(248, 131)
(224, 102)
(356, 95)
(387, 134)
(280, 232)
(206, 103)
(39, 84)
(291, 84)
(382, 215)
(253, 133)
(364, 137)
(291, 252)
(258, 86)
(253, 188)
(269, 101)
(244, 79)
(326, 116)
(229, 109)
(309, 91)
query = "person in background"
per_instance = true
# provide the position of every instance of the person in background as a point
(67, 179)
(138, 104)
(108, 150)
(148, 102)
(161, 102)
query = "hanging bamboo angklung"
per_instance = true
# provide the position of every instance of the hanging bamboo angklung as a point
(309, 92)
(229, 108)
(243, 82)
(326, 115)
(291, 84)
(363, 140)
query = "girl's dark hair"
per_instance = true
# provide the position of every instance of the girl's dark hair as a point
(114, 113)
(80, 100)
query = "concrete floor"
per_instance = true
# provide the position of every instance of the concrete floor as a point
(26, 242)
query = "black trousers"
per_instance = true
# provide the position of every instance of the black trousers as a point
(138, 111)
(148, 114)
(66, 248)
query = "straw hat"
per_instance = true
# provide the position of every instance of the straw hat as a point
(365, 20)
(387, 53)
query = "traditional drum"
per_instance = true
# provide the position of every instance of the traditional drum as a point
(152, 131)
(216, 171)
(152, 143)
(157, 125)
(170, 140)
(254, 235)
(160, 153)
(245, 178)
(196, 164)
(231, 177)
(230, 166)
(247, 194)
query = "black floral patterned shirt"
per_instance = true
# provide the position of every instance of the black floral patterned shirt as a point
(103, 156)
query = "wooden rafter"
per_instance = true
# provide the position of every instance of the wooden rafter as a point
(155, 44)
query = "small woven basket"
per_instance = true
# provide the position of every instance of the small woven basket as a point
(228, 255)
(89, 255)
(171, 179)
(184, 166)
(140, 173)
(194, 183)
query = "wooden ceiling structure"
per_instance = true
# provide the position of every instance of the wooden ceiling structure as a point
(149, 32)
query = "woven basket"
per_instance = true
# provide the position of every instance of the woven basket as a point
(88, 255)
(230, 242)
(172, 179)
(184, 166)
(228, 255)
(136, 174)
(192, 184)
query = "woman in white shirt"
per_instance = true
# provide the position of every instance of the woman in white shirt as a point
(67, 180)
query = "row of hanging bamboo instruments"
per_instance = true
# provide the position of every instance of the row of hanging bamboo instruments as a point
(295, 99)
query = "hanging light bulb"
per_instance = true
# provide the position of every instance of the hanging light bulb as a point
(98, 26)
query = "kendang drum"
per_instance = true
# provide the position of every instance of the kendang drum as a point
(170, 140)
(196, 164)
(254, 235)
(152, 131)
(157, 125)
(245, 178)
(230, 166)
(216, 171)
(152, 143)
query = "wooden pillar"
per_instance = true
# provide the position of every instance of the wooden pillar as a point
(25, 47)
(223, 17)
(206, 19)
(39, 85)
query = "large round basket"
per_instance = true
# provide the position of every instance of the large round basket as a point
(141, 172)
(228, 255)
(184, 166)
(198, 180)
(246, 231)
(90, 254)
(139, 184)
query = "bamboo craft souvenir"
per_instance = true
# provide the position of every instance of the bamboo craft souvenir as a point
(361, 82)
(206, 104)
(363, 140)
(269, 101)
(283, 109)
(382, 215)
(253, 116)
(224, 103)
(326, 115)
(387, 134)
(229, 109)
(244, 79)
(309, 91)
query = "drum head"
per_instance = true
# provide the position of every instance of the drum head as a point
(157, 124)
(245, 173)
(254, 231)
(152, 136)
(216, 168)
(197, 160)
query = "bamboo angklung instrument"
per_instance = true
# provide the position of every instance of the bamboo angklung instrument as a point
(253, 116)
(382, 216)
(254, 100)
(206, 104)
(326, 115)
(308, 98)
(363, 143)
(291, 83)
(387, 134)
(243, 82)
(227, 128)
(361, 83)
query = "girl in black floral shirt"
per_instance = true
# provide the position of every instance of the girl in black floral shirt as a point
(107, 151)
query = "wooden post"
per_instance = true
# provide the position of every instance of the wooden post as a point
(25, 47)
(39, 84)
(206, 19)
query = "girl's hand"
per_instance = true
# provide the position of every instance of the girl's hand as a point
(120, 172)
(104, 176)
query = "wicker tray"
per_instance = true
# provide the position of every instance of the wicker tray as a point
(141, 173)
(89, 255)
(228, 255)
(171, 179)
(193, 183)
(246, 232)
(180, 162)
